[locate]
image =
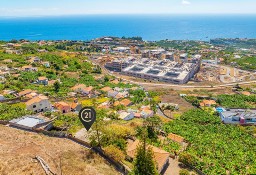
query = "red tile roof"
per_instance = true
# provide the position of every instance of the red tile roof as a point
(160, 155)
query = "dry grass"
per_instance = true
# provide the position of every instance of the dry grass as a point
(18, 148)
(72, 74)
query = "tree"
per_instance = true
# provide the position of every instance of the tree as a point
(170, 108)
(14, 41)
(152, 124)
(138, 96)
(56, 66)
(151, 127)
(106, 79)
(97, 130)
(9, 112)
(144, 161)
(56, 86)
(187, 158)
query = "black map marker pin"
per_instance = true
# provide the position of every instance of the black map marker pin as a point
(87, 116)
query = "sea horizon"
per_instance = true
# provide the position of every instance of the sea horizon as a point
(151, 27)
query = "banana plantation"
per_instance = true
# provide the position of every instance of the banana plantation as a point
(215, 148)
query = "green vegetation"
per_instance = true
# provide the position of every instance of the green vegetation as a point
(9, 112)
(210, 110)
(107, 135)
(214, 148)
(56, 86)
(237, 101)
(247, 63)
(227, 101)
(150, 128)
(193, 100)
(114, 153)
(108, 138)
(144, 161)
(70, 68)
(171, 146)
(90, 102)
(69, 122)
(138, 38)
(181, 45)
(239, 43)
(184, 172)
(120, 85)
(138, 96)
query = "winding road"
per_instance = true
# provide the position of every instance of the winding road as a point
(179, 86)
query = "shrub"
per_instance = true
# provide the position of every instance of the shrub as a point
(184, 172)
(114, 153)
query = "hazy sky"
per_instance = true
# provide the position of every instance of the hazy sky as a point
(68, 7)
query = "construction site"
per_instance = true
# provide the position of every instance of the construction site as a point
(223, 74)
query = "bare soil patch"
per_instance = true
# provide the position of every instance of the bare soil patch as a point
(18, 149)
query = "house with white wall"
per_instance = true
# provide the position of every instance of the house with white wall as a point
(83, 89)
(39, 104)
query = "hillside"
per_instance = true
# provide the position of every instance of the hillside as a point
(18, 148)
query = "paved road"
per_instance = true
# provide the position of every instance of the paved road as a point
(185, 86)
(173, 168)
(160, 113)
(180, 86)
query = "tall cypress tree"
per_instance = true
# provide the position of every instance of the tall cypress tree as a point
(144, 163)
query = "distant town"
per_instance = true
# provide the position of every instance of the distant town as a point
(187, 100)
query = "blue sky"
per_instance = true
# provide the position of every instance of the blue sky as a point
(72, 7)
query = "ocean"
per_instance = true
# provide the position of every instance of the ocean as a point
(150, 27)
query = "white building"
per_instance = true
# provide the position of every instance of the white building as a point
(126, 116)
(239, 116)
(39, 104)
(162, 70)
(122, 49)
